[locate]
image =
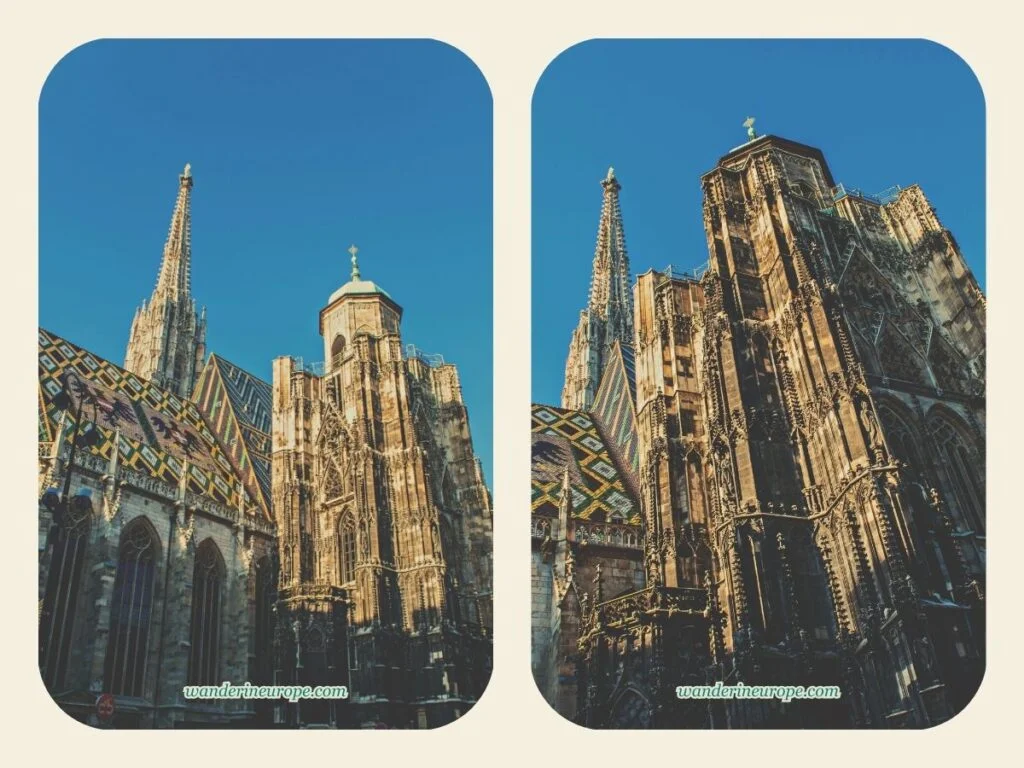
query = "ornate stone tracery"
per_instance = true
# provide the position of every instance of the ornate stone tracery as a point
(835, 381)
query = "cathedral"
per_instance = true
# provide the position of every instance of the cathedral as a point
(198, 524)
(769, 470)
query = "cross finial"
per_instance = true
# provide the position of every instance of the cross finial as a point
(355, 264)
(749, 125)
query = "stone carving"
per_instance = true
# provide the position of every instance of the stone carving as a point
(187, 531)
(845, 321)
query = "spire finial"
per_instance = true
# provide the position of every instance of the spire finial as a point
(355, 263)
(749, 125)
(187, 173)
(609, 182)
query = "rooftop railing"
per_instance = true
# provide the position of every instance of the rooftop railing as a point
(318, 367)
(839, 191)
(315, 368)
(672, 272)
(433, 360)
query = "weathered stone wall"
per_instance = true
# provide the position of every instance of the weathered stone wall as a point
(465, 498)
(176, 529)
(565, 572)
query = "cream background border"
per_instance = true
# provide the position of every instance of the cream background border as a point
(511, 44)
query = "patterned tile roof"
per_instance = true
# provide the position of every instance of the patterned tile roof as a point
(159, 430)
(615, 407)
(237, 405)
(600, 489)
(629, 366)
(250, 395)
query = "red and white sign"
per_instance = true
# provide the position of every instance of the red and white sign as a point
(105, 706)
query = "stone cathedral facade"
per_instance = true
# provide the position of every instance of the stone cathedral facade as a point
(384, 524)
(798, 431)
(199, 525)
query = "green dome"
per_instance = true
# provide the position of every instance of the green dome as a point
(358, 288)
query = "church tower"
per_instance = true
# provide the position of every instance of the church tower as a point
(609, 314)
(383, 522)
(810, 431)
(167, 342)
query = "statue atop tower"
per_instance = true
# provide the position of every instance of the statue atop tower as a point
(167, 342)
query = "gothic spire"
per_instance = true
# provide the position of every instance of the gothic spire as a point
(610, 295)
(167, 341)
(609, 314)
(175, 268)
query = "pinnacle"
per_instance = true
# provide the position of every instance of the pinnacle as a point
(176, 263)
(156, 348)
(610, 182)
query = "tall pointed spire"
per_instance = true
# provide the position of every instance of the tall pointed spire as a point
(176, 266)
(167, 341)
(610, 294)
(609, 314)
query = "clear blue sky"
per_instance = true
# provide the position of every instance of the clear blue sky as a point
(298, 148)
(663, 112)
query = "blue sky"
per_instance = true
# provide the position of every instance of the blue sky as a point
(663, 112)
(298, 148)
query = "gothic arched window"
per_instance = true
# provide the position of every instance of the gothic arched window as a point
(57, 619)
(207, 585)
(631, 711)
(131, 611)
(337, 351)
(903, 441)
(346, 549)
(963, 467)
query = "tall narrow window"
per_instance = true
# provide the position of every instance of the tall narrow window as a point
(207, 584)
(264, 621)
(131, 610)
(903, 441)
(57, 619)
(337, 351)
(962, 470)
(346, 549)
